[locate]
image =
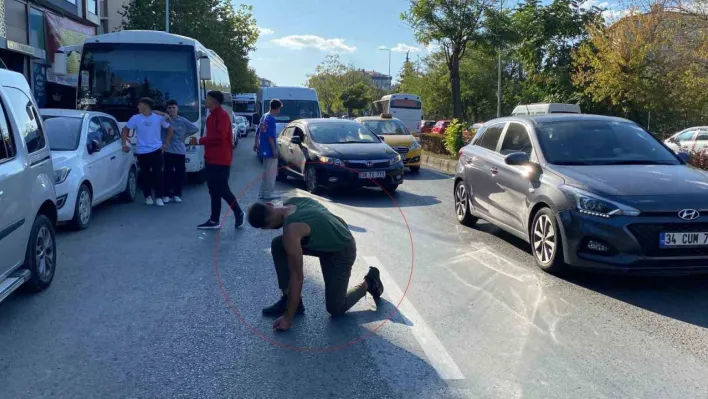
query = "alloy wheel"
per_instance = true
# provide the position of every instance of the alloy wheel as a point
(310, 179)
(84, 207)
(544, 240)
(44, 252)
(132, 184)
(460, 201)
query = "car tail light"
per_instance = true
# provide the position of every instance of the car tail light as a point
(459, 153)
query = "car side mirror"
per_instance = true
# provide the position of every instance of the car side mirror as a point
(94, 146)
(684, 156)
(297, 140)
(672, 140)
(517, 159)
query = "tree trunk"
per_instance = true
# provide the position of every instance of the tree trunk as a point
(454, 67)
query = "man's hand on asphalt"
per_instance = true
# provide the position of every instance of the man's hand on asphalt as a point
(283, 323)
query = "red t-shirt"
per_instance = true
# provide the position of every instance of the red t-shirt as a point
(219, 138)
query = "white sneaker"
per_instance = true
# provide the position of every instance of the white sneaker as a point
(166, 200)
(149, 201)
(177, 200)
(159, 202)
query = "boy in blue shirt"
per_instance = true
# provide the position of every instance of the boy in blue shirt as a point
(268, 150)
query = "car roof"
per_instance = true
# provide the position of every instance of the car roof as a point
(310, 121)
(548, 118)
(72, 113)
(374, 118)
(14, 79)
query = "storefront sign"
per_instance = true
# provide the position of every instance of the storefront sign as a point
(39, 73)
(22, 48)
(65, 32)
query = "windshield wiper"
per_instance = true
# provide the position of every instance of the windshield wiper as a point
(353, 142)
(638, 162)
(571, 163)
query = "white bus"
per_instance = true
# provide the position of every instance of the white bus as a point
(298, 103)
(245, 105)
(406, 107)
(119, 68)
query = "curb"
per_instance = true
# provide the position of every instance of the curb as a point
(440, 164)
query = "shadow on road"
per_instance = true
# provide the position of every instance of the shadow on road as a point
(427, 175)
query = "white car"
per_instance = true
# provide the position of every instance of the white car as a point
(242, 125)
(89, 163)
(691, 139)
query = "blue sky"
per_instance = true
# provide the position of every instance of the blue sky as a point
(297, 35)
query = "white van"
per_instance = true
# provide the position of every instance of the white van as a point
(547, 108)
(28, 212)
(298, 103)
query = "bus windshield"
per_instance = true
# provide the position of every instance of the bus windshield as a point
(244, 106)
(114, 76)
(296, 109)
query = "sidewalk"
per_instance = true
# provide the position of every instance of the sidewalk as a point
(439, 162)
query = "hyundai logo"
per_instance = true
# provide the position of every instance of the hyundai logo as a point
(371, 163)
(689, 214)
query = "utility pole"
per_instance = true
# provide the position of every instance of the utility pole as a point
(389, 60)
(167, 16)
(499, 70)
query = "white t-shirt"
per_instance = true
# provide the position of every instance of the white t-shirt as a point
(148, 130)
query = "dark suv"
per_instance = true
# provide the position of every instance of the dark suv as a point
(586, 191)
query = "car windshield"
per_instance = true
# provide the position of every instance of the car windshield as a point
(341, 133)
(600, 142)
(386, 127)
(244, 106)
(296, 109)
(64, 132)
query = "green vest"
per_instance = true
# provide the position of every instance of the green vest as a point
(328, 232)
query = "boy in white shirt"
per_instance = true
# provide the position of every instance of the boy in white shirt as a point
(148, 129)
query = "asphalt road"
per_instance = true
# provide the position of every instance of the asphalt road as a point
(140, 308)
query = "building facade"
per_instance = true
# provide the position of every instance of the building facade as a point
(266, 83)
(111, 19)
(30, 33)
(378, 80)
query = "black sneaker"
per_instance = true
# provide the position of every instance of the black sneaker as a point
(240, 220)
(279, 308)
(209, 225)
(373, 281)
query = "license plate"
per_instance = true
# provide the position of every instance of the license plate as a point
(683, 239)
(372, 175)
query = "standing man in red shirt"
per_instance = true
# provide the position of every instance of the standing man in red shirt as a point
(218, 154)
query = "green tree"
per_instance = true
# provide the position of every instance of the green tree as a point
(331, 78)
(230, 32)
(356, 97)
(454, 25)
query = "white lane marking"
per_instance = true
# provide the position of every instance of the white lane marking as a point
(438, 357)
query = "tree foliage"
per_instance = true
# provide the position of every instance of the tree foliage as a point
(356, 97)
(332, 79)
(454, 25)
(230, 32)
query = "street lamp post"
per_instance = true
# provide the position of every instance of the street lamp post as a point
(389, 61)
(167, 16)
(499, 70)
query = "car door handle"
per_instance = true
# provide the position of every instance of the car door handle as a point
(113, 157)
(494, 170)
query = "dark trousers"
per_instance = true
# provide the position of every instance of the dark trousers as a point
(174, 174)
(151, 173)
(336, 270)
(218, 184)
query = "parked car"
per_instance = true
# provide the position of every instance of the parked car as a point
(28, 212)
(236, 135)
(426, 126)
(241, 125)
(586, 191)
(396, 135)
(337, 153)
(691, 139)
(440, 127)
(89, 163)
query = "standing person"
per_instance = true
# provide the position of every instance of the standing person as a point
(310, 229)
(268, 150)
(175, 153)
(148, 129)
(218, 154)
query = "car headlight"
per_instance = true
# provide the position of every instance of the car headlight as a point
(331, 161)
(61, 174)
(395, 159)
(592, 204)
(415, 145)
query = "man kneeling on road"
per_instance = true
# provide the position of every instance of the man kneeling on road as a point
(310, 229)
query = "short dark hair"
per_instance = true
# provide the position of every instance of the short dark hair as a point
(147, 101)
(172, 102)
(275, 104)
(216, 95)
(258, 215)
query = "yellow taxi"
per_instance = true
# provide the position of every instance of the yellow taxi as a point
(397, 136)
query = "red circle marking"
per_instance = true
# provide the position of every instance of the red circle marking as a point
(296, 348)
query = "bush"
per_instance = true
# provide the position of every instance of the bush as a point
(699, 159)
(453, 137)
(434, 143)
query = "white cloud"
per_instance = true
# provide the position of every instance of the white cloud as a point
(612, 16)
(610, 13)
(383, 48)
(299, 42)
(265, 31)
(404, 48)
(432, 47)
